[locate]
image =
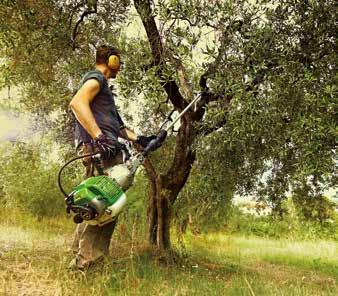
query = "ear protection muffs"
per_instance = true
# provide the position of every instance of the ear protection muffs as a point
(113, 62)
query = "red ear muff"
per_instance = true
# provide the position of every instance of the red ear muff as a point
(114, 62)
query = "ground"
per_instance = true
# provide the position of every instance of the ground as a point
(34, 259)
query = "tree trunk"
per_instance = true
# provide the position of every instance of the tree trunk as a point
(152, 207)
(158, 215)
(163, 216)
(165, 188)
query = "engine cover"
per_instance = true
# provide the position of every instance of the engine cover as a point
(97, 200)
(102, 194)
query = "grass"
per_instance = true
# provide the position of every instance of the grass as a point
(34, 257)
(318, 255)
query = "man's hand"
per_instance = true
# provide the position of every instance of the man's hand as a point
(144, 140)
(108, 147)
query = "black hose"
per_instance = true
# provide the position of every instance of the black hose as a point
(66, 164)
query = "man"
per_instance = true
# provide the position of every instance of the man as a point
(98, 125)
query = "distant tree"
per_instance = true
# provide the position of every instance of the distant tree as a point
(265, 72)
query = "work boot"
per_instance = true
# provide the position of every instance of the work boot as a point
(74, 266)
(78, 264)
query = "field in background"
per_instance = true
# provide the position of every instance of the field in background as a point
(34, 257)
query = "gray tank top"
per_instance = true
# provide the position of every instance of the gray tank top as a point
(104, 111)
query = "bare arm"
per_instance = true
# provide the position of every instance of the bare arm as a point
(80, 105)
(140, 141)
(128, 134)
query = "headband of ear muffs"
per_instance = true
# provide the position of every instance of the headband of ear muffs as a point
(113, 62)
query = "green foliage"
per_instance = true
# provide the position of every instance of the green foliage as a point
(29, 179)
(290, 227)
(319, 209)
(205, 202)
(280, 123)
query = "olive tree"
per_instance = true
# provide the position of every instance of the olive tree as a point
(264, 71)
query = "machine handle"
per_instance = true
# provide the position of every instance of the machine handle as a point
(156, 143)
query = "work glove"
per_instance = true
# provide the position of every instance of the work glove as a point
(108, 147)
(144, 140)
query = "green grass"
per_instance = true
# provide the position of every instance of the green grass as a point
(34, 257)
(318, 255)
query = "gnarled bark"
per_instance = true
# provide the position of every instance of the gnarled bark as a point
(166, 187)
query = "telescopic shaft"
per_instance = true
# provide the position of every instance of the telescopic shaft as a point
(161, 136)
(182, 113)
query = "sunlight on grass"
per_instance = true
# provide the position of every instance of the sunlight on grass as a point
(15, 237)
(251, 246)
(34, 260)
(10, 235)
(321, 255)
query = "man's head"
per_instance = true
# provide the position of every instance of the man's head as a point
(109, 56)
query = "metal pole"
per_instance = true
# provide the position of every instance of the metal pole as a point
(182, 113)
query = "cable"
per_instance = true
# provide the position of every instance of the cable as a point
(66, 164)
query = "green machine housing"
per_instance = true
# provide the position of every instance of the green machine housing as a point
(97, 199)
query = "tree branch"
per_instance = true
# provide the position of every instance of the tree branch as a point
(73, 11)
(211, 129)
(150, 170)
(185, 84)
(143, 8)
(207, 96)
(80, 20)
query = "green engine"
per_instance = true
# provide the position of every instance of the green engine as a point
(97, 200)
(101, 188)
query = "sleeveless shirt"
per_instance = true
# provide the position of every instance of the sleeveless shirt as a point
(104, 110)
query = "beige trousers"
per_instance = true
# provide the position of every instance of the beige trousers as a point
(91, 242)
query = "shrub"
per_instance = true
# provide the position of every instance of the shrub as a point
(29, 180)
(316, 209)
(291, 226)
